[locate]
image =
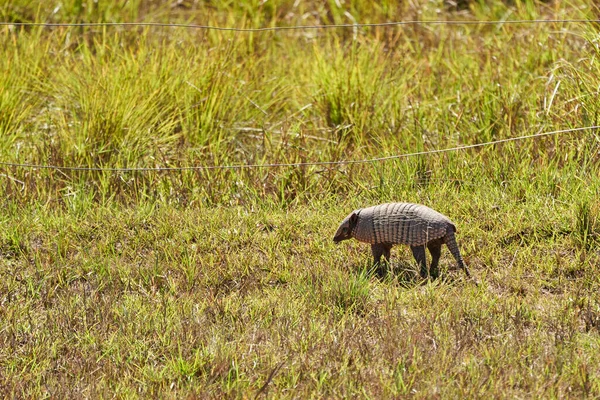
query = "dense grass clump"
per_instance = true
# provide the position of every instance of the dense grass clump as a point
(225, 282)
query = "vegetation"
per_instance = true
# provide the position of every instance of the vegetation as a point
(225, 282)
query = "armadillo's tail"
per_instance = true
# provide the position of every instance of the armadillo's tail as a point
(450, 240)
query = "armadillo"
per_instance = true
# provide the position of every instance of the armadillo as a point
(402, 223)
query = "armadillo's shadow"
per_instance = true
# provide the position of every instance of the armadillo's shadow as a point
(403, 274)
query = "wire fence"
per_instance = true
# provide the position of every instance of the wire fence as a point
(299, 164)
(302, 27)
(288, 28)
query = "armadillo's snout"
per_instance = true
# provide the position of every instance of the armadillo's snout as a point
(341, 234)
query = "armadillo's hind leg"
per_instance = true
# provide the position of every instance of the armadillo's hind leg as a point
(435, 248)
(419, 255)
(381, 249)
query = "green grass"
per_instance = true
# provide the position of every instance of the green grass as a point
(226, 283)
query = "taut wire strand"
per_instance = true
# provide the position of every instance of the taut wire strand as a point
(299, 164)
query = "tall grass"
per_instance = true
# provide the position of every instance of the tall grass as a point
(166, 97)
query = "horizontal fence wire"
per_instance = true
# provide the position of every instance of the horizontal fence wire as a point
(298, 164)
(301, 27)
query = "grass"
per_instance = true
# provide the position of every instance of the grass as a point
(226, 283)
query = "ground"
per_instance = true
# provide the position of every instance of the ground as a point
(225, 282)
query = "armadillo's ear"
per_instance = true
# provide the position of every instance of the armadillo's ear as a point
(353, 219)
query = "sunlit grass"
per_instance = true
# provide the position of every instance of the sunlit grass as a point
(226, 283)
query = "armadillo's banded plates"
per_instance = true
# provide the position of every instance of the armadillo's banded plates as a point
(400, 223)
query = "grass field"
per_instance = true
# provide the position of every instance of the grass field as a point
(225, 283)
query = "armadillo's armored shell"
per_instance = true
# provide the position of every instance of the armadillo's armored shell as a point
(401, 223)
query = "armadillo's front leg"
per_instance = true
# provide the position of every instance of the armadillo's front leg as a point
(380, 249)
(419, 254)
